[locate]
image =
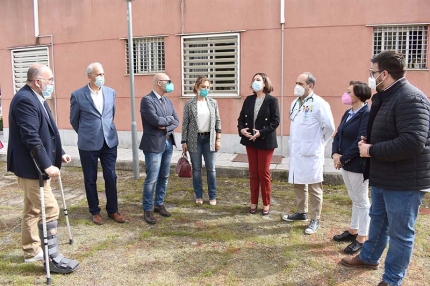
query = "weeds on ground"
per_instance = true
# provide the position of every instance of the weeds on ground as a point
(208, 245)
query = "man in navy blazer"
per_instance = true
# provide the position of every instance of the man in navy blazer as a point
(159, 119)
(92, 113)
(32, 129)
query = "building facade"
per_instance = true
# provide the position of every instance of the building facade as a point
(227, 40)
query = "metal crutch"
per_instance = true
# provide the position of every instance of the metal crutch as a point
(45, 232)
(65, 211)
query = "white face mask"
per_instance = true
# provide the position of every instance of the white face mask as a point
(299, 90)
(371, 82)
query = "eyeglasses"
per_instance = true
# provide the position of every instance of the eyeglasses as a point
(51, 80)
(372, 73)
(168, 80)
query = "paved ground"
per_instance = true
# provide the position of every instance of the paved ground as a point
(224, 162)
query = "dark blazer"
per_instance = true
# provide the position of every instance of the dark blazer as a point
(267, 121)
(345, 142)
(92, 127)
(154, 116)
(31, 129)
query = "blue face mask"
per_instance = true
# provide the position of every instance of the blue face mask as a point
(100, 81)
(169, 87)
(257, 86)
(204, 92)
(48, 91)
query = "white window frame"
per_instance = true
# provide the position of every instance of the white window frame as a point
(147, 55)
(411, 40)
(189, 74)
(22, 59)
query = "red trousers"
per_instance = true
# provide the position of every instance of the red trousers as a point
(259, 173)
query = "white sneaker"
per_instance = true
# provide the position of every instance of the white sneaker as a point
(212, 202)
(313, 226)
(38, 257)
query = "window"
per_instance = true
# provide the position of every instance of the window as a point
(148, 55)
(22, 59)
(214, 56)
(412, 41)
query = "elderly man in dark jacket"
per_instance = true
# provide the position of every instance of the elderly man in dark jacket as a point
(398, 166)
(32, 129)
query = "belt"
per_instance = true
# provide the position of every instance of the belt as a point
(203, 133)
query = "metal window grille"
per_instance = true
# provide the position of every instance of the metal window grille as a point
(412, 41)
(148, 55)
(214, 56)
(22, 59)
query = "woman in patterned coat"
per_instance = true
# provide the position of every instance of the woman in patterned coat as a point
(201, 136)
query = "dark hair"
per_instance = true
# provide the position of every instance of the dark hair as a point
(391, 61)
(200, 79)
(361, 90)
(268, 87)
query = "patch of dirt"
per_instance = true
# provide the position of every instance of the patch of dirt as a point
(208, 245)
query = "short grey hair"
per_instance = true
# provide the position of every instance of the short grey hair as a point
(310, 79)
(91, 66)
(34, 72)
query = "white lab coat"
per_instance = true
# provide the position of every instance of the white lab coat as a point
(312, 126)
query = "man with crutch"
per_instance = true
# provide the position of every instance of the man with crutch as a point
(33, 133)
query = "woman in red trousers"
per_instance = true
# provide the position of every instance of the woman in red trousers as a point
(257, 125)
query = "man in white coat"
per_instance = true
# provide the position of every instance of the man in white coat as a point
(312, 126)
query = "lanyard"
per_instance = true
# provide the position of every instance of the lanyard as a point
(300, 107)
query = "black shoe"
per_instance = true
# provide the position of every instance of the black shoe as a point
(162, 210)
(149, 217)
(345, 236)
(354, 247)
(295, 217)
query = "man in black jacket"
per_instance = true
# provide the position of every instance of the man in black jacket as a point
(398, 166)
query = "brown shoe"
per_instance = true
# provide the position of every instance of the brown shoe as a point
(149, 217)
(354, 261)
(162, 210)
(382, 283)
(97, 219)
(117, 217)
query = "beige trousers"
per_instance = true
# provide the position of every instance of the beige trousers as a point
(316, 193)
(32, 213)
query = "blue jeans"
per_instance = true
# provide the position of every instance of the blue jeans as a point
(393, 215)
(203, 148)
(157, 176)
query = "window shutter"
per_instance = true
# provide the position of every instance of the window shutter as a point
(214, 56)
(22, 59)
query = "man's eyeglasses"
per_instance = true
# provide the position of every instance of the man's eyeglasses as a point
(51, 80)
(168, 80)
(372, 73)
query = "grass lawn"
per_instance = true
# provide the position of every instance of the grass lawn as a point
(208, 245)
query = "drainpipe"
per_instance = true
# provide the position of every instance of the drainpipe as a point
(282, 21)
(38, 36)
(182, 16)
(36, 17)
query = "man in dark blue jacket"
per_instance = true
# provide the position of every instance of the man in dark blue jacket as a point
(398, 151)
(32, 129)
